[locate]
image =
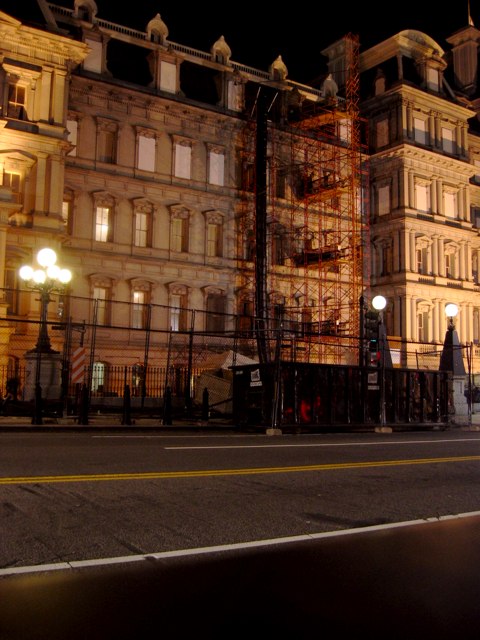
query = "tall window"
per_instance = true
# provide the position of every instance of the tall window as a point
(216, 167)
(11, 290)
(213, 240)
(72, 128)
(246, 317)
(384, 200)
(106, 141)
(432, 79)
(247, 176)
(448, 140)
(146, 151)
(422, 258)
(93, 62)
(422, 323)
(67, 206)
(213, 233)
(168, 77)
(13, 181)
(178, 311)
(476, 325)
(387, 259)
(215, 312)
(450, 204)
(98, 377)
(101, 298)
(16, 102)
(183, 160)
(179, 230)
(422, 197)
(420, 130)
(141, 229)
(382, 133)
(450, 265)
(139, 309)
(103, 224)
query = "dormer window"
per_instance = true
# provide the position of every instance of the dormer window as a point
(433, 80)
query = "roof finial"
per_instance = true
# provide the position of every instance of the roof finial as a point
(470, 21)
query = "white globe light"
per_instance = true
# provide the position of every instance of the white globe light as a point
(65, 275)
(451, 310)
(46, 257)
(26, 272)
(379, 303)
(39, 276)
(53, 271)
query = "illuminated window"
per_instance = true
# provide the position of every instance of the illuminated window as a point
(101, 297)
(139, 309)
(67, 206)
(422, 260)
(98, 377)
(178, 311)
(141, 229)
(16, 102)
(450, 265)
(179, 230)
(13, 181)
(422, 324)
(213, 240)
(11, 290)
(103, 226)
(213, 234)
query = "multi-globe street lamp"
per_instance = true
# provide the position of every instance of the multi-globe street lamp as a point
(45, 277)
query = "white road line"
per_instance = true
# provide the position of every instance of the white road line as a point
(317, 444)
(103, 562)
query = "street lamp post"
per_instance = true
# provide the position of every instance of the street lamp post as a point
(46, 277)
(451, 360)
(379, 303)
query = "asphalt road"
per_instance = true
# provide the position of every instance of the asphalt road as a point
(289, 530)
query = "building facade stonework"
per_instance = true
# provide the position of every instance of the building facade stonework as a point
(188, 192)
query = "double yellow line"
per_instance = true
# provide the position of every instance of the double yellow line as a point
(165, 475)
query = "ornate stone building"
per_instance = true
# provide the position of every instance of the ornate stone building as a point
(186, 191)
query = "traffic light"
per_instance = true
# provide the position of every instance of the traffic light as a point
(372, 325)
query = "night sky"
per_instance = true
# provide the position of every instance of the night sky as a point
(257, 36)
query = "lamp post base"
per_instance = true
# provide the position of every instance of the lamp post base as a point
(44, 369)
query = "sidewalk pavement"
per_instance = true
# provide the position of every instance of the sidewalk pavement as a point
(116, 421)
(109, 421)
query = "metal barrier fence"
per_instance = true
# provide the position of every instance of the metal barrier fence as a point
(126, 345)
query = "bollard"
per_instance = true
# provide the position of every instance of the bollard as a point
(83, 411)
(37, 412)
(205, 406)
(126, 419)
(167, 406)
